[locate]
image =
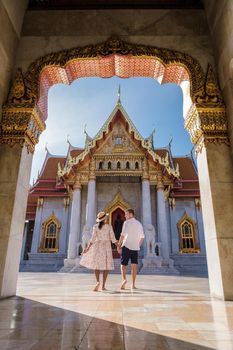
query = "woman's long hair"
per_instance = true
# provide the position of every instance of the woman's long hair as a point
(101, 224)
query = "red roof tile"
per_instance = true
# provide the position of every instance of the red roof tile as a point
(186, 167)
(49, 170)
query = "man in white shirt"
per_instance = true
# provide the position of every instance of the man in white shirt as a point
(130, 240)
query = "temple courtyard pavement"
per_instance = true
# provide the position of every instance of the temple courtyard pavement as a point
(60, 311)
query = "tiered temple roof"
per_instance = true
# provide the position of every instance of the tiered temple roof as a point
(50, 183)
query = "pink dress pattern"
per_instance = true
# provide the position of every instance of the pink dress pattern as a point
(99, 256)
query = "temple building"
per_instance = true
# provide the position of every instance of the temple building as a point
(115, 170)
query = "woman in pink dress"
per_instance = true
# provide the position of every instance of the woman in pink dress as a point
(98, 254)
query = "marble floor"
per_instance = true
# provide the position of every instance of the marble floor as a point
(60, 311)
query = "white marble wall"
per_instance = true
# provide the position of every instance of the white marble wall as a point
(83, 209)
(42, 214)
(176, 214)
(11, 19)
(131, 192)
(184, 30)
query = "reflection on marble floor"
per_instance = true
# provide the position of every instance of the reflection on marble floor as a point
(59, 311)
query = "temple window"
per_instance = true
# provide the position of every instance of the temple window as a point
(100, 165)
(188, 237)
(127, 165)
(136, 166)
(118, 140)
(109, 165)
(118, 165)
(51, 228)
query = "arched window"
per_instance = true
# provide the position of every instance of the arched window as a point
(127, 165)
(50, 236)
(100, 165)
(136, 166)
(109, 165)
(187, 234)
(118, 165)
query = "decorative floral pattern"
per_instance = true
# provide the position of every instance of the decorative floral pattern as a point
(99, 256)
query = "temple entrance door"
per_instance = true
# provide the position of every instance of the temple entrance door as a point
(117, 220)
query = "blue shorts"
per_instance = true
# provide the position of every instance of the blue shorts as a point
(129, 254)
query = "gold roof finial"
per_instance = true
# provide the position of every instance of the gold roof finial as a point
(119, 95)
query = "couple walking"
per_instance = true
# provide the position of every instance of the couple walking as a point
(98, 253)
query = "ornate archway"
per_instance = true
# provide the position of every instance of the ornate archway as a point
(25, 112)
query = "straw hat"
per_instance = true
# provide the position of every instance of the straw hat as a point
(101, 216)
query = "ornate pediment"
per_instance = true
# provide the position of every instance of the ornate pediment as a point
(119, 137)
(119, 141)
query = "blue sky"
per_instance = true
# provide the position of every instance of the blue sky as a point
(91, 100)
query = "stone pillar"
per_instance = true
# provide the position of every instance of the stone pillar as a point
(25, 232)
(201, 237)
(162, 226)
(91, 197)
(75, 221)
(173, 225)
(14, 183)
(90, 207)
(20, 129)
(37, 232)
(216, 186)
(208, 127)
(219, 15)
(146, 203)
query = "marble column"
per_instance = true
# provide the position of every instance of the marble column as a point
(146, 210)
(146, 203)
(75, 220)
(14, 184)
(216, 186)
(24, 241)
(37, 232)
(91, 207)
(201, 237)
(162, 225)
(91, 196)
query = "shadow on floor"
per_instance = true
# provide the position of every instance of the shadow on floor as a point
(26, 324)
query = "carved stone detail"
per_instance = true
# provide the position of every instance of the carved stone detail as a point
(145, 169)
(114, 46)
(209, 95)
(21, 126)
(207, 119)
(207, 125)
(21, 94)
(92, 169)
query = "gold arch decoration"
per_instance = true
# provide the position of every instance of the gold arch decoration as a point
(50, 238)
(117, 202)
(25, 109)
(187, 235)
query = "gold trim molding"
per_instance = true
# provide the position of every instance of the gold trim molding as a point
(113, 45)
(117, 202)
(51, 219)
(185, 218)
(207, 121)
(21, 126)
(207, 118)
(207, 126)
